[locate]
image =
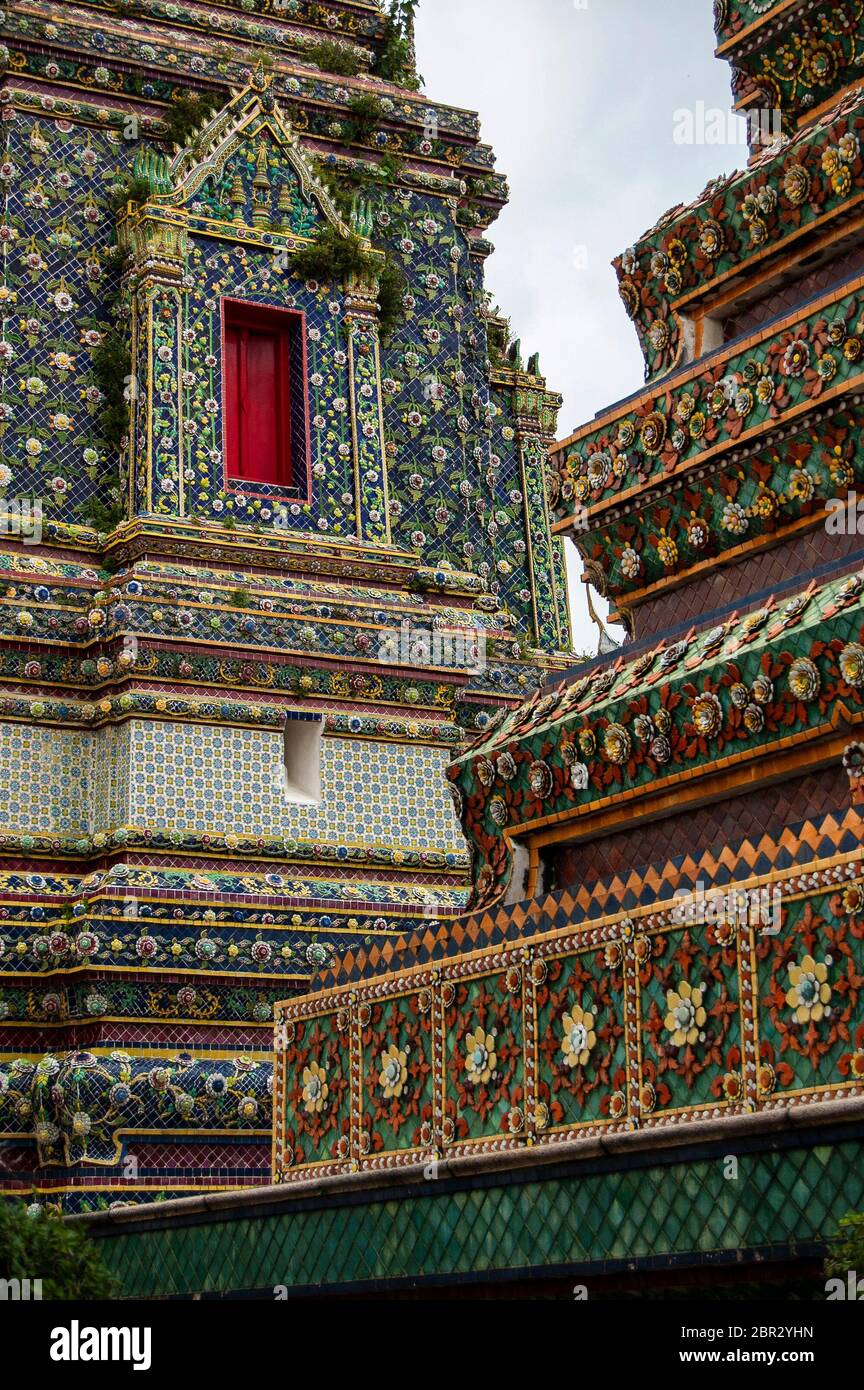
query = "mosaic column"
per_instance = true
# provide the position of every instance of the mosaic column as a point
(154, 239)
(532, 408)
(367, 409)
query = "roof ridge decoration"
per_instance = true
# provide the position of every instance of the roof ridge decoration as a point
(790, 56)
(787, 195)
(252, 108)
(776, 679)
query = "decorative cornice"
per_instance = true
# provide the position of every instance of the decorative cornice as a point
(745, 228)
(745, 690)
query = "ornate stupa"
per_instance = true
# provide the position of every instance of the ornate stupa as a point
(275, 542)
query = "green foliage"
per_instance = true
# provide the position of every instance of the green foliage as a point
(114, 261)
(332, 57)
(45, 1247)
(344, 184)
(132, 191)
(112, 367)
(395, 60)
(240, 598)
(188, 112)
(366, 114)
(846, 1247)
(331, 256)
(391, 288)
(102, 518)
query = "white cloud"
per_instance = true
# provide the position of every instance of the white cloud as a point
(578, 102)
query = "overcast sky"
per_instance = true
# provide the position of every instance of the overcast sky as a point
(578, 100)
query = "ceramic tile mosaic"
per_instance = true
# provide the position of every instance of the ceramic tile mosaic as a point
(46, 779)
(228, 780)
(151, 647)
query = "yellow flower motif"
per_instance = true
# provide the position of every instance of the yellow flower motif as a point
(315, 1088)
(394, 1072)
(480, 1056)
(686, 1016)
(579, 1037)
(810, 991)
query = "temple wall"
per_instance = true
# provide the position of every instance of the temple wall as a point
(222, 780)
(753, 577)
(455, 486)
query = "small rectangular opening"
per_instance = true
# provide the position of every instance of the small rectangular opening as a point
(300, 775)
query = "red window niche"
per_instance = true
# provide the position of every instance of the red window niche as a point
(264, 395)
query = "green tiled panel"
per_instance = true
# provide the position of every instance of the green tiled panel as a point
(638, 1213)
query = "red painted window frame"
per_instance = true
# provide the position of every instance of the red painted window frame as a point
(293, 475)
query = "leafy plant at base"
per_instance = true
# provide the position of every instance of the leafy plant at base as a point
(45, 1247)
(846, 1247)
(103, 517)
(114, 260)
(333, 257)
(132, 191)
(391, 289)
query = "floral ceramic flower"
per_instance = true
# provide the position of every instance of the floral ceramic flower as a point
(796, 359)
(853, 898)
(856, 1065)
(707, 714)
(506, 767)
(734, 518)
(809, 991)
(732, 1085)
(660, 749)
(685, 1017)
(394, 1071)
(617, 744)
(801, 486)
(796, 185)
(852, 665)
(647, 1098)
(653, 432)
(315, 1088)
(754, 719)
(579, 1037)
(762, 690)
(631, 564)
(540, 779)
(480, 1056)
(804, 679)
